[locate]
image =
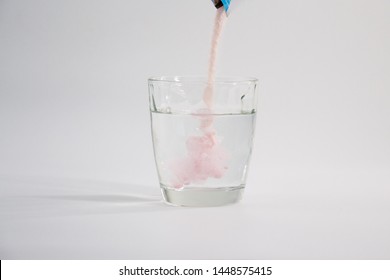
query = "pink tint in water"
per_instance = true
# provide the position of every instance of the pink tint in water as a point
(205, 158)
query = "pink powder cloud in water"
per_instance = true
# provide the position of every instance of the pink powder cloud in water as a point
(205, 158)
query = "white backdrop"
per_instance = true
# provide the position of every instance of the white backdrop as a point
(77, 174)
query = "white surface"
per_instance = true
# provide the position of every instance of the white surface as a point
(77, 175)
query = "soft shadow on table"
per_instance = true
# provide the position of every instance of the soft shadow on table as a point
(53, 197)
(107, 198)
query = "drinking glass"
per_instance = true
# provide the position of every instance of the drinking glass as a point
(202, 137)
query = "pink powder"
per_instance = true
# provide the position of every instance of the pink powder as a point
(205, 158)
(219, 22)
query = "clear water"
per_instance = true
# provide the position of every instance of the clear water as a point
(234, 134)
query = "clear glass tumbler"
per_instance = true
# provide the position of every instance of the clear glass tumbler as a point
(202, 137)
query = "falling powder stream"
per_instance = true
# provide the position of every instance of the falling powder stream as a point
(219, 22)
(205, 158)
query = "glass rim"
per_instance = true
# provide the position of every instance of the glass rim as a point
(203, 79)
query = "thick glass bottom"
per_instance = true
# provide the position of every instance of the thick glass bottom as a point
(202, 197)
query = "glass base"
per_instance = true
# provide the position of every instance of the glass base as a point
(202, 197)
